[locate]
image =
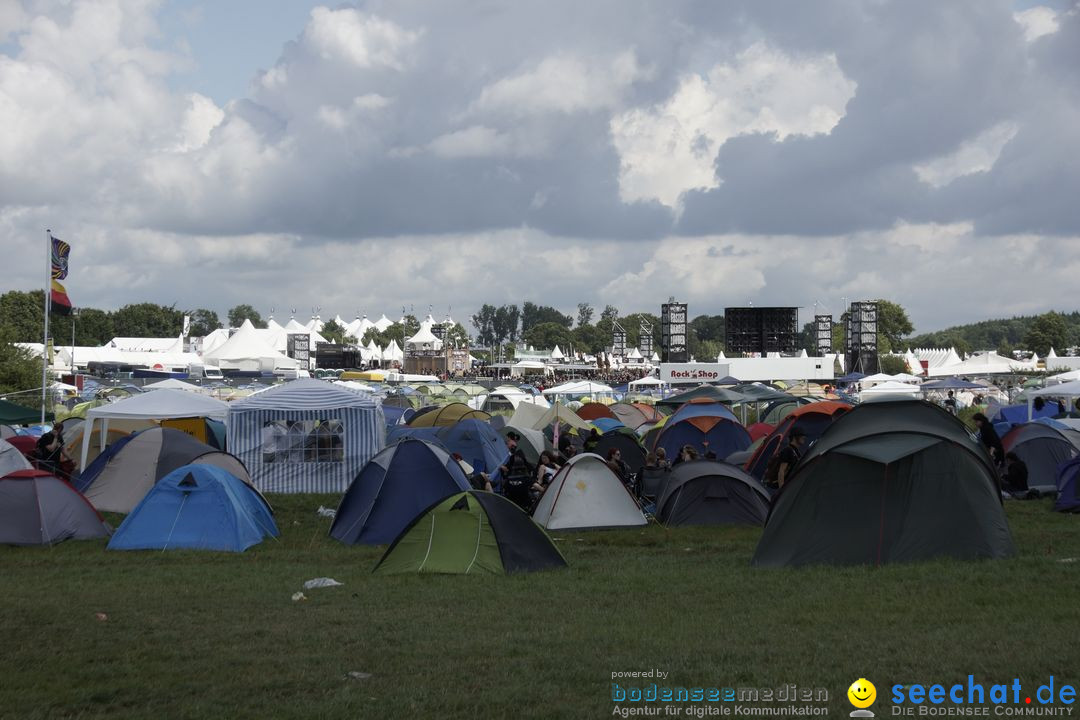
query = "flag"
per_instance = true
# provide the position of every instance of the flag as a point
(59, 299)
(60, 252)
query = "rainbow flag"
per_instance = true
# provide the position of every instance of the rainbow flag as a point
(60, 252)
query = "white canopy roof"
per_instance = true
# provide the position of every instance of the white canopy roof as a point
(557, 354)
(647, 380)
(384, 322)
(142, 344)
(579, 387)
(172, 384)
(155, 405)
(890, 387)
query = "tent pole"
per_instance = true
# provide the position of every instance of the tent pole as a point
(45, 339)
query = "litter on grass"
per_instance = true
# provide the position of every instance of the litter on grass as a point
(321, 583)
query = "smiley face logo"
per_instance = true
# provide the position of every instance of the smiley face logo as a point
(862, 693)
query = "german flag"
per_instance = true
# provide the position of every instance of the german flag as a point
(59, 299)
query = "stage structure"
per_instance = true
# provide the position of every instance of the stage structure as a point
(750, 330)
(298, 347)
(823, 334)
(618, 340)
(673, 341)
(645, 339)
(862, 347)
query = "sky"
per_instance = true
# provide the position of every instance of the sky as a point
(363, 157)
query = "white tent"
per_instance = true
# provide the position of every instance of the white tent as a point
(383, 323)
(306, 435)
(585, 493)
(172, 384)
(245, 350)
(156, 405)
(557, 354)
(358, 328)
(424, 339)
(890, 388)
(579, 387)
(393, 353)
(294, 328)
(647, 381)
(538, 417)
(1063, 377)
(986, 364)
(1064, 390)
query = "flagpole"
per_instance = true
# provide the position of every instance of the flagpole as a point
(45, 341)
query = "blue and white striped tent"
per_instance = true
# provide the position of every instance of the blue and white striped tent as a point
(306, 436)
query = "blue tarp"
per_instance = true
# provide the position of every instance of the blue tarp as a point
(197, 507)
(396, 486)
(606, 424)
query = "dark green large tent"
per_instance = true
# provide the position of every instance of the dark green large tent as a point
(12, 414)
(890, 481)
(469, 533)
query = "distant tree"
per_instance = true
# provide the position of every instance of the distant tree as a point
(1005, 350)
(22, 313)
(395, 332)
(336, 333)
(609, 313)
(484, 322)
(591, 338)
(892, 365)
(242, 312)
(584, 314)
(506, 323)
(533, 314)
(203, 322)
(93, 327)
(456, 336)
(19, 370)
(892, 326)
(148, 320)
(1049, 330)
(547, 335)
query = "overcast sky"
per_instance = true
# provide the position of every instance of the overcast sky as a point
(285, 153)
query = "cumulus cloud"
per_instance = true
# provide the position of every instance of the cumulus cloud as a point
(1037, 21)
(671, 147)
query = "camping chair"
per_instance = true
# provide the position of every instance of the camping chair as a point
(653, 482)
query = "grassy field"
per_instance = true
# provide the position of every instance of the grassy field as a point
(214, 635)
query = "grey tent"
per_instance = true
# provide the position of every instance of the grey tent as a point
(11, 459)
(891, 481)
(37, 508)
(1042, 448)
(120, 477)
(707, 492)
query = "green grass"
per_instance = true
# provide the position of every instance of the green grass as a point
(215, 635)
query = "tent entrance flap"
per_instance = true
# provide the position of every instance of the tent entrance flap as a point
(887, 449)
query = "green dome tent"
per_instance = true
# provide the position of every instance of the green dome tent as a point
(471, 533)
